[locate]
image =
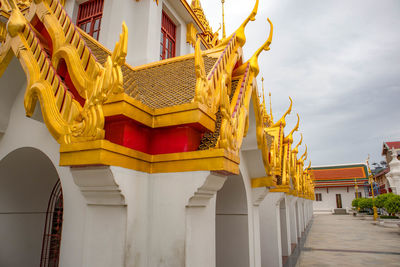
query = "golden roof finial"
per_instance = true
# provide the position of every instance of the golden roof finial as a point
(253, 61)
(297, 146)
(282, 121)
(195, 4)
(304, 155)
(262, 82)
(223, 20)
(309, 165)
(240, 36)
(296, 128)
(289, 137)
(199, 12)
(270, 108)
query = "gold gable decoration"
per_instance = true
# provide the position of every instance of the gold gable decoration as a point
(209, 37)
(67, 120)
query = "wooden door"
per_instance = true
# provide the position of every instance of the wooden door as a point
(338, 201)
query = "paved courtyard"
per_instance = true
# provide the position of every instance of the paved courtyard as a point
(344, 240)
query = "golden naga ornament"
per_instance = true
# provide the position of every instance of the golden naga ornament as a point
(67, 120)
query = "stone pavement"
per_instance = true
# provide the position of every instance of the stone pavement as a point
(344, 240)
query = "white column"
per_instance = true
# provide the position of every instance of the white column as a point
(258, 195)
(105, 223)
(270, 230)
(285, 227)
(292, 221)
(200, 223)
(300, 218)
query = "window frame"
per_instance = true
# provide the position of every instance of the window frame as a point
(318, 197)
(89, 13)
(167, 37)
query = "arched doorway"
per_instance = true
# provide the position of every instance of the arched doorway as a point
(232, 233)
(27, 180)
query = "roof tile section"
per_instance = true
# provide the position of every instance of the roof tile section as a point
(337, 176)
(166, 85)
(159, 86)
(389, 145)
(395, 145)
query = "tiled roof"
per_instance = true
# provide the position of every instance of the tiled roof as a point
(340, 175)
(389, 145)
(158, 86)
(382, 172)
(168, 84)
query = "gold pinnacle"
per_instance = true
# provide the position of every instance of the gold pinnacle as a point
(223, 20)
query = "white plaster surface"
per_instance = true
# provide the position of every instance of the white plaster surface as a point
(232, 233)
(328, 202)
(25, 132)
(270, 230)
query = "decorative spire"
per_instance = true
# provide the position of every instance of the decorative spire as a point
(270, 107)
(223, 20)
(262, 82)
(282, 121)
(297, 146)
(309, 165)
(253, 61)
(304, 155)
(240, 36)
(296, 128)
(199, 12)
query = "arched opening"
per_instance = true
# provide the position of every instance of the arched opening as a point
(232, 233)
(27, 180)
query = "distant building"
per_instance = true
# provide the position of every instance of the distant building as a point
(391, 151)
(387, 147)
(382, 181)
(335, 185)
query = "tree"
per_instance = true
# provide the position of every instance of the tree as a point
(392, 204)
(381, 199)
(355, 202)
(365, 203)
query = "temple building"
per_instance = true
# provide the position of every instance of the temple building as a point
(389, 178)
(336, 186)
(147, 148)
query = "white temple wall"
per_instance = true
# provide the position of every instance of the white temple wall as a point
(328, 202)
(171, 217)
(27, 178)
(293, 223)
(302, 216)
(310, 208)
(270, 230)
(232, 224)
(299, 218)
(143, 20)
(9, 89)
(285, 227)
(26, 132)
(170, 193)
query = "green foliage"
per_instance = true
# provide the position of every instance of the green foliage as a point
(365, 203)
(380, 200)
(392, 204)
(355, 202)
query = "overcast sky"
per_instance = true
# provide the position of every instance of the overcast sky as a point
(338, 60)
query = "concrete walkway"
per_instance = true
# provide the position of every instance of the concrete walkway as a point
(344, 240)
